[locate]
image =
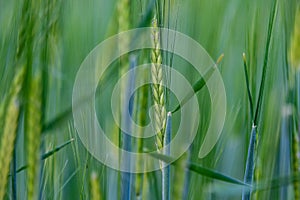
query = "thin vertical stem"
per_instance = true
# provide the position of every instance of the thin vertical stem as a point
(126, 177)
(142, 113)
(250, 164)
(166, 167)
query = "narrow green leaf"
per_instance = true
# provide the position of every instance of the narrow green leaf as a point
(21, 168)
(52, 152)
(248, 85)
(47, 155)
(199, 84)
(265, 64)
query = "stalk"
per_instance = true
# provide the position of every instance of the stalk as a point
(295, 63)
(295, 164)
(127, 141)
(250, 164)
(166, 168)
(181, 178)
(187, 175)
(123, 23)
(142, 113)
(95, 187)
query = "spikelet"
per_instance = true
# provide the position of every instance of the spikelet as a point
(158, 90)
(295, 42)
(10, 129)
(95, 188)
(33, 133)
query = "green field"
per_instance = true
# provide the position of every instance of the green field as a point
(237, 119)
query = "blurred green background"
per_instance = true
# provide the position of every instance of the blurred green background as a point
(232, 27)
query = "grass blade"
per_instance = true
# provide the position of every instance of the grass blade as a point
(198, 85)
(248, 85)
(52, 152)
(250, 163)
(265, 64)
(47, 155)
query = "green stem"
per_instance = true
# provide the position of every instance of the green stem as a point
(250, 164)
(166, 166)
